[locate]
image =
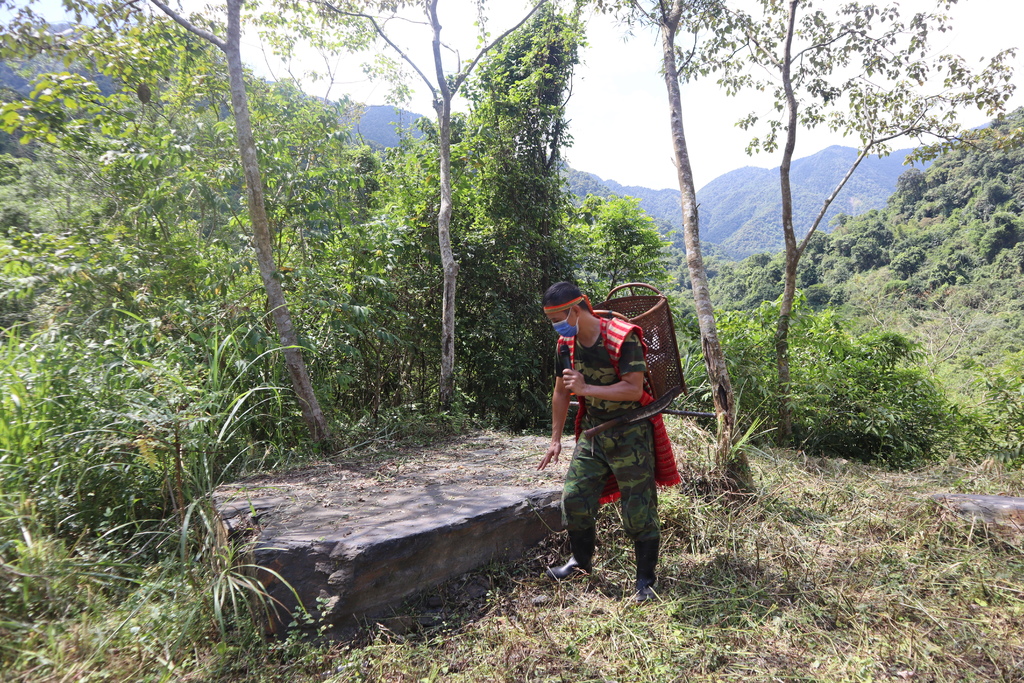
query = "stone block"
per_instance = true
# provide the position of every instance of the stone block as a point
(351, 546)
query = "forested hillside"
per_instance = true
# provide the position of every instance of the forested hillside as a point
(942, 264)
(385, 126)
(741, 211)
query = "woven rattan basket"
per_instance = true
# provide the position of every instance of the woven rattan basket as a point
(650, 311)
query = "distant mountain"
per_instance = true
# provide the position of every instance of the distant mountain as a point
(741, 211)
(661, 205)
(384, 125)
(16, 75)
(12, 80)
(950, 239)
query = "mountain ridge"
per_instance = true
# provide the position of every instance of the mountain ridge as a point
(384, 125)
(741, 211)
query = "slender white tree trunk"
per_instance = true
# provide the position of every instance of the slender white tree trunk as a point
(785, 429)
(733, 462)
(450, 268)
(311, 412)
(296, 366)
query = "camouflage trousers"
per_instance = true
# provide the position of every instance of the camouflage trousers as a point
(628, 453)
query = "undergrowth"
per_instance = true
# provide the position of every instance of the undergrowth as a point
(833, 571)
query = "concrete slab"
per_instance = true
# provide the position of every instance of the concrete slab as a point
(1002, 515)
(353, 539)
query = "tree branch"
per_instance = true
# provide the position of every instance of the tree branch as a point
(674, 14)
(637, 8)
(874, 142)
(835, 193)
(751, 37)
(380, 32)
(818, 46)
(202, 33)
(463, 73)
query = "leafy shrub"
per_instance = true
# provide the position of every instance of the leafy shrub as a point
(1003, 411)
(1003, 234)
(855, 396)
(906, 262)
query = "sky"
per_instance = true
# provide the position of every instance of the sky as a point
(621, 81)
(618, 110)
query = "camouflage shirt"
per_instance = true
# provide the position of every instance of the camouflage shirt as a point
(596, 366)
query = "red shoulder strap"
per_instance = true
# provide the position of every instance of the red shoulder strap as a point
(614, 333)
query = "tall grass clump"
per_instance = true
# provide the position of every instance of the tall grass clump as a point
(73, 613)
(109, 436)
(112, 441)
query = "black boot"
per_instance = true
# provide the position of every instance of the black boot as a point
(582, 545)
(646, 561)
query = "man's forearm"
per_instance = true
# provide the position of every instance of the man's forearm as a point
(620, 391)
(559, 410)
(630, 387)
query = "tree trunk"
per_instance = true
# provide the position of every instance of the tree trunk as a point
(733, 462)
(311, 412)
(443, 107)
(785, 429)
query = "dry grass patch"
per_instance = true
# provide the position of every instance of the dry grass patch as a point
(833, 571)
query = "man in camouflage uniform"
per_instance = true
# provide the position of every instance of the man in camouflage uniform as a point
(626, 452)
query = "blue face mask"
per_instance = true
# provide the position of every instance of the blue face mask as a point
(563, 328)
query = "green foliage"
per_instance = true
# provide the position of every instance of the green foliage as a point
(861, 70)
(152, 371)
(1003, 411)
(753, 280)
(121, 432)
(615, 242)
(1004, 233)
(514, 240)
(864, 396)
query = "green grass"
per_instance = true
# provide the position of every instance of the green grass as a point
(832, 572)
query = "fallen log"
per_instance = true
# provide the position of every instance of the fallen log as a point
(1002, 515)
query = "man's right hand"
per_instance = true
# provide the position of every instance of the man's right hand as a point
(574, 382)
(552, 455)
